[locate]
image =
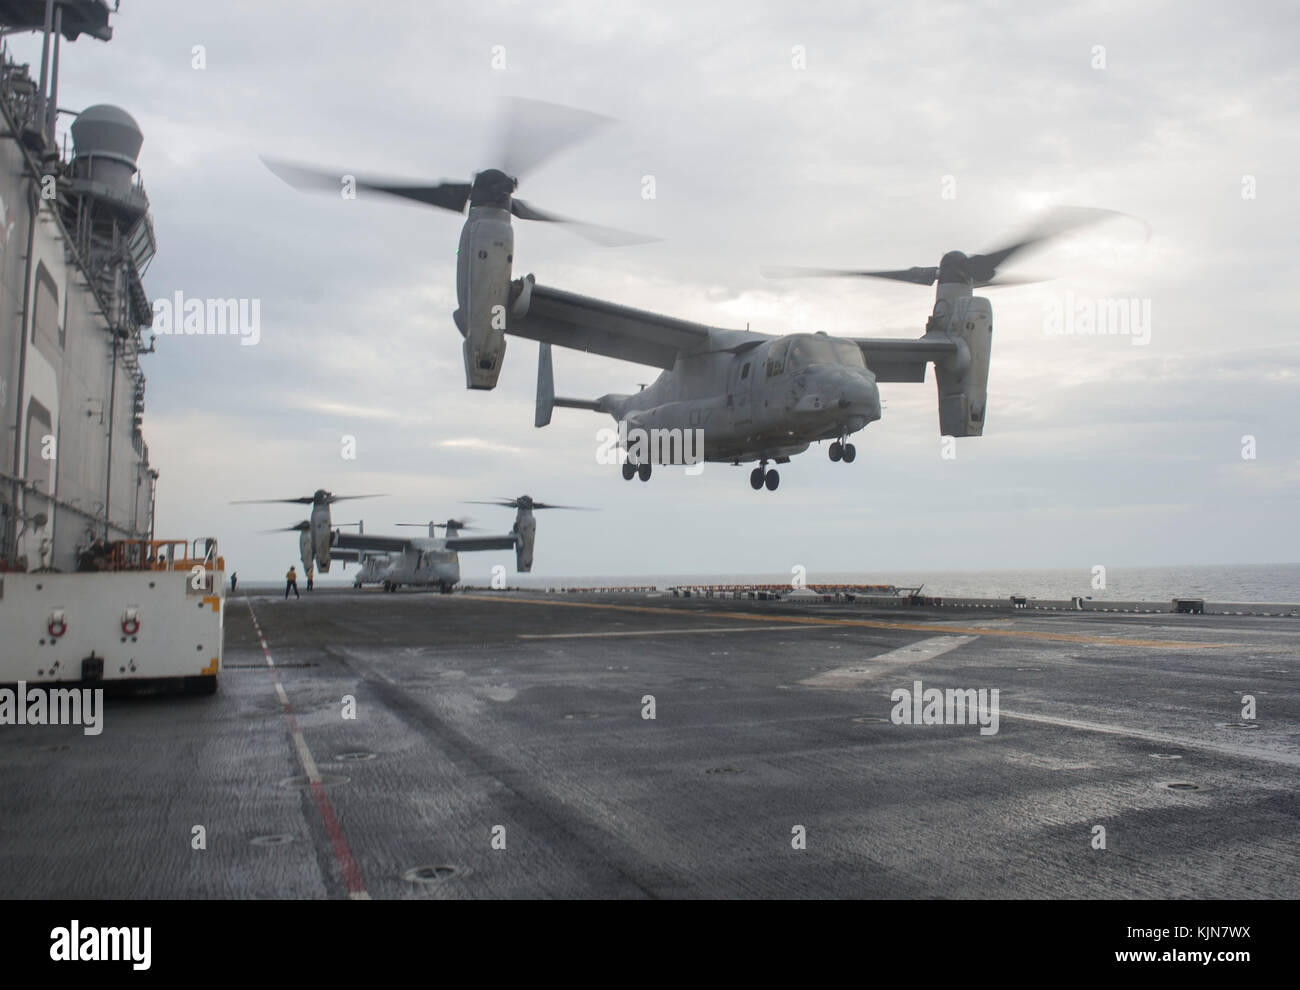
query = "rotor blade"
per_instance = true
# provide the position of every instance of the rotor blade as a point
(447, 195)
(288, 529)
(347, 498)
(509, 503)
(1009, 280)
(579, 508)
(920, 276)
(605, 236)
(534, 131)
(1054, 223)
(305, 500)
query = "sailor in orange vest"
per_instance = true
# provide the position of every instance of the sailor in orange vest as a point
(291, 583)
(310, 572)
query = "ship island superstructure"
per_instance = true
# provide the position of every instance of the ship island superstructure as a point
(78, 559)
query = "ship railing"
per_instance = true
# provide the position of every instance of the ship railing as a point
(165, 555)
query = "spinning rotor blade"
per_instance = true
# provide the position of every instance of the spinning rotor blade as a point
(983, 268)
(331, 499)
(921, 276)
(604, 236)
(458, 523)
(980, 269)
(447, 195)
(305, 500)
(288, 529)
(514, 503)
(534, 131)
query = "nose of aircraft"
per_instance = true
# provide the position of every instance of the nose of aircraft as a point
(853, 391)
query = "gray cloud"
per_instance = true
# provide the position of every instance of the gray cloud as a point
(1095, 448)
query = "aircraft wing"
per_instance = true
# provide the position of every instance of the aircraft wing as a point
(506, 542)
(358, 541)
(895, 360)
(607, 329)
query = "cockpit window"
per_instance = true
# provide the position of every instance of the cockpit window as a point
(806, 351)
(776, 358)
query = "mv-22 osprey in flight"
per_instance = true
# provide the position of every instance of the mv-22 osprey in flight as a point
(754, 396)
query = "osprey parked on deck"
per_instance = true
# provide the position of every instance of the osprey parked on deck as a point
(394, 561)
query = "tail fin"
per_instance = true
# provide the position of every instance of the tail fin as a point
(964, 378)
(546, 400)
(545, 386)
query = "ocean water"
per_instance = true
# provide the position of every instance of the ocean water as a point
(1222, 583)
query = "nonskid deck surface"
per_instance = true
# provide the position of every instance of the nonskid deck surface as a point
(499, 749)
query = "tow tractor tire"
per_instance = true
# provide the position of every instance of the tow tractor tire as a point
(206, 684)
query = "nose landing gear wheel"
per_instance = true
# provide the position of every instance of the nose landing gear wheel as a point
(756, 479)
(772, 480)
(837, 451)
(850, 452)
(629, 470)
(643, 472)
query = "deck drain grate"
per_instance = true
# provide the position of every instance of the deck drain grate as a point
(870, 718)
(354, 756)
(1181, 785)
(1166, 756)
(428, 874)
(1239, 725)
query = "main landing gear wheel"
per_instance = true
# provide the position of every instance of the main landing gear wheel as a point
(629, 470)
(643, 472)
(849, 453)
(837, 450)
(761, 476)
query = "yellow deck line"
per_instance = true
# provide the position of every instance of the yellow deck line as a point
(1167, 644)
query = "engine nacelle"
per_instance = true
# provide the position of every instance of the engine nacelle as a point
(964, 378)
(483, 292)
(525, 533)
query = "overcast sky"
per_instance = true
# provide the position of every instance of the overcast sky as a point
(1096, 450)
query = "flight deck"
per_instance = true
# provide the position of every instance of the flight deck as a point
(501, 745)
